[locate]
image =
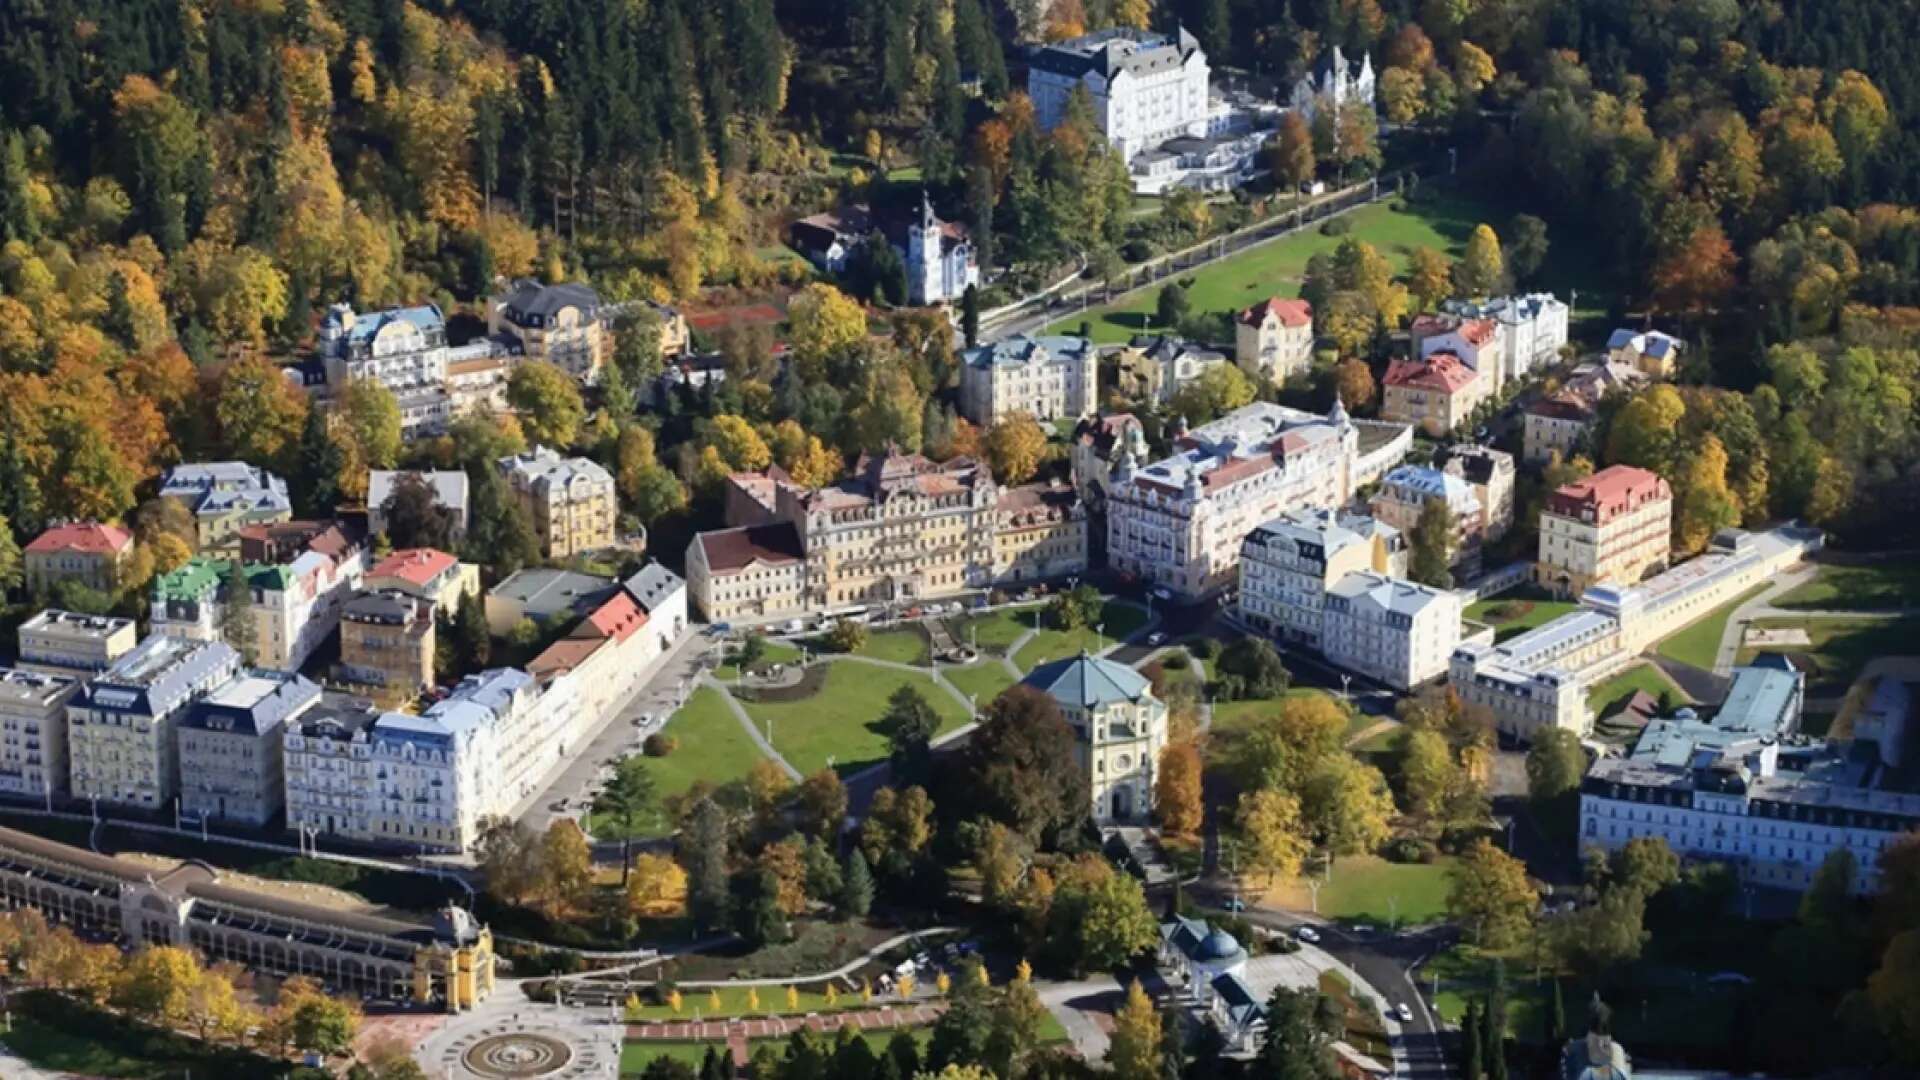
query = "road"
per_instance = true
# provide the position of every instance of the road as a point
(618, 735)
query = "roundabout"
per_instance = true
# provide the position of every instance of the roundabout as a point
(513, 1046)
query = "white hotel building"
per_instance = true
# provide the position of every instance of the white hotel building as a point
(1397, 632)
(1288, 564)
(1144, 87)
(1744, 790)
(1533, 329)
(1045, 377)
(1179, 523)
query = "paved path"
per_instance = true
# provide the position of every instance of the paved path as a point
(1368, 732)
(1736, 627)
(917, 1014)
(752, 729)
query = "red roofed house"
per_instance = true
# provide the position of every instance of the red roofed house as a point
(426, 574)
(88, 552)
(1615, 526)
(1274, 339)
(600, 656)
(747, 571)
(1437, 392)
(1479, 343)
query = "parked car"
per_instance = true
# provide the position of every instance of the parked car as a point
(1161, 592)
(1156, 638)
(719, 629)
(1234, 904)
(1404, 1012)
(1307, 933)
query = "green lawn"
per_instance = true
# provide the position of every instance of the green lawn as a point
(984, 680)
(1841, 647)
(1878, 587)
(1699, 643)
(1653, 1004)
(906, 645)
(841, 720)
(1233, 718)
(1517, 612)
(1441, 222)
(1648, 677)
(773, 1002)
(1367, 888)
(995, 631)
(65, 1037)
(1116, 621)
(712, 747)
(635, 1054)
(776, 652)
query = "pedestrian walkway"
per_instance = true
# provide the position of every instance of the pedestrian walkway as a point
(917, 1014)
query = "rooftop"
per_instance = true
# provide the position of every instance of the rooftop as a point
(731, 550)
(1253, 437)
(1609, 491)
(31, 689)
(544, 593)
(1365, 591)
(1021, 350)
(546, 468)
(253, 703)
(54, 620)
(533, 299)
(91, 538)
(1328, 531)
(1087, 681)
(1442, 371)
(415, 566)
(652, 585)
(1291, 313)
(1418, 483)
(1116, 50)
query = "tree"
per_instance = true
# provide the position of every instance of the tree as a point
(970, 315)
(1431, 541)
(501, 536)
(414, 516)
(1706, 505)
(1099, 917)
(1526, 247)
(1271, 833)
(1555, 763)
(897, 823)
(1348, 320)
(260, 413)
(1015, 445)
(318, 462)
(1258, 666)
(784, 863)
(1489, 890)
(1171, 306)
(1695, 277)
(1894, 992)
(1290, 156)
(237, 625)
(823, 322)
(656, 887)
(369, 418)
(1296, 1046)
(856, 887)
(548, 403)
(740, 446)
(566, 864)
(158, 983)
(319, 1023)
(1402, 95)
(1347, 806)
(1134, 1049)
(847, 636)
(1022, 766)
(508, 856)
(1480, 269)
(703, 850)
(625, 800)
(10, 566)
(1176, 790)
(1353, 381)
(910, 723)
(1429, 277)
(822, 803)
(1075, 608)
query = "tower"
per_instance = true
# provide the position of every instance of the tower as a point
(925, 283)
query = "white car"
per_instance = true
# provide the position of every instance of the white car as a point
(1307, 934)
(1404, 1012)
(1156, 638)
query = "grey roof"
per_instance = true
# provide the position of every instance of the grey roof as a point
(543, 593)
(1243, 1006)
(1087, 681)
(1332, 531)
(652, 584)
(1760, 700)
(424, 317)
(395, 609)
(158, 675)
(1364, 590)
(214, 486)
(1165, 348)
(1020, 350)
(339, 720)
(531, 300)
(1112, 51)
(34, 690)
(449, 486)
(544, 468)
(253, 703)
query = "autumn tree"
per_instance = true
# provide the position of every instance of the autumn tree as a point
(1481, 269)
(1290, 155)
(1489, 890)
(259, 411)
(157, 983)
(368, 425)
(822, 803)
(1176, 790)
(1271, 835)
(1022, 765)
(1697, 276)
(1015, 444)
(1133, 1051)
(823, 322)
(565, 865)
(1346, 806)
(1353, 381)
(1429, 277)
(548, 403)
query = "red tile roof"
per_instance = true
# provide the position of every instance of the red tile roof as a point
(89, 537)
(1293, 313)
(1443, 371)
(1478, 331)
(415, 566)
(728, 550)
(563, 656)
(618, 618)
(1608, 492)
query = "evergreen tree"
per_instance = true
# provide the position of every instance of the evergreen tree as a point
(970, 315)
(904, 1051)
(18, 218)
(856, 887)
(1472, 1030)
(1496, 1034)
(471, 639)
(318, 461)
(703, 852)
(236, 613)
(1557, 1018)
(1431, 542)
(501, 537)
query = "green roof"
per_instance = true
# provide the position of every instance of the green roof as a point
(194, 579)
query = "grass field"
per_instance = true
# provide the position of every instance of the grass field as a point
(1648, 677)
(1116, 622)
(1700, 643)
(994, 632)
(984, 680)
(712, 747)
(1517, 612)
(1878, 587)
(841, 721)
(1367, 888)
(1841, 647)
(1232, 718)
(1441, 222)
(906, 645)
(776, 652)
(635, 1054)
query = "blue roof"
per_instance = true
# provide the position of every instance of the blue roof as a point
(1084, 681)
(1759, 701)
(1241, 1003)
(1220, 945)
(1429, 482)
(425, 317)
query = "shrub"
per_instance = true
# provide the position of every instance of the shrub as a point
(659, 744)
(1410, 849)
(1204, 648)
(1175, 661)
(1336, 227)
(1135, 251)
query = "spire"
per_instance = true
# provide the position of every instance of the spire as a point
(927, 220)
(1337, 416)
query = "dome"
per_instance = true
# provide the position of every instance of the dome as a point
(1219, 945)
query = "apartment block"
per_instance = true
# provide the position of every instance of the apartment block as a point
(1046, 378)
(1398, 632)
(69, 643)
(1615, 526)
(122, 728)
(1288, 564)
(231, 758)
(225, 497)
(88, 552)
(33, 732)
(570, 499)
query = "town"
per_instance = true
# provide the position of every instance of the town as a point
(958, 539)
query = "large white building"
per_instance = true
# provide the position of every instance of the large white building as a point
(1045, 377)
(33, 732)
(1179, 523)
(1144, 88)
(1119, 728)
(1533, 329)
(230, 746)
(1336, 82)
(1541, 678)
(1398, 632)
(1287, 565)
(1743, 789)
(402, 349)
(941, 263)
(122, 729)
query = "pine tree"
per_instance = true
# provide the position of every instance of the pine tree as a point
(1432, 542)
(317, 464)
(1496, 1034)
(970, 315)
(1557, 1019)
(236, 613)
(1470, 1035)
(856, 887)
(472, 641)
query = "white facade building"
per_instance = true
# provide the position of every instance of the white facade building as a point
(941, 263)
(1120, 729)
(1144, 88)
(1287, 566)
(402, 349)
(122, 728)
(1336, 82)
(1533, 329)
(1044, 377)
(230, 747)
(33, 732)
(1179, 523)
(1398, 632)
